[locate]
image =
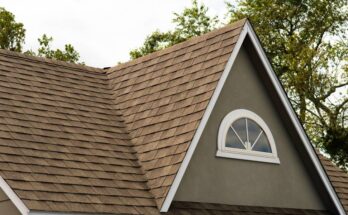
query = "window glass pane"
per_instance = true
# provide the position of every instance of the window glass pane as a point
(232, 140)
(262, 144)
(240, 127)
(253, 130)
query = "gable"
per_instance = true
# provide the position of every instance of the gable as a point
(214, 179)
(166, 99)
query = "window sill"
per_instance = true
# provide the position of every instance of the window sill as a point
(274, 160)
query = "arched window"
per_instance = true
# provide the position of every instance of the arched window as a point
(244, 135)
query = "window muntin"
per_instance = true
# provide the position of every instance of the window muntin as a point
(244, 135)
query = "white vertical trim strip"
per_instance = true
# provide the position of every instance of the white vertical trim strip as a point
(247, 30)
(294, 119)
(13, 197)
(169, 198)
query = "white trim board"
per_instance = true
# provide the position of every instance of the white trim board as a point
(13, 197)
(248, 30)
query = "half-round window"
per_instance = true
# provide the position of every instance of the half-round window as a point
(244, 135)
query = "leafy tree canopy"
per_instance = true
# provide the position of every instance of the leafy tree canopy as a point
(306, 42)
(69, 54)
(12, 37)
(12, 33)
(193, 21)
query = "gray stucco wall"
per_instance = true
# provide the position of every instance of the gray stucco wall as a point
(6, 206)
(238, 182)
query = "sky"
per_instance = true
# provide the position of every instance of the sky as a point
(102, 31)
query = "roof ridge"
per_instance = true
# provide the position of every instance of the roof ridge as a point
(48, 61)
(174, 47)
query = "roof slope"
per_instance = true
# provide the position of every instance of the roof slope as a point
(63, 145)
(163, 97)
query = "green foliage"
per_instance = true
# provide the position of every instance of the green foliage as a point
(193, 21)
(12, 36)
(335, 142)
(154, 42)
(12, 33)
(69, 54)
(306, 43)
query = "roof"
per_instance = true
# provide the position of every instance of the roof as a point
(80, 139)
(63, 143)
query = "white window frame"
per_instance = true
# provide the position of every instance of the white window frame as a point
(244, 154)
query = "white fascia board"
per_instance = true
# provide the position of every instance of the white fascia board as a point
(248, 30)
(13, 197)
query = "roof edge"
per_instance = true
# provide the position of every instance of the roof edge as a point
(248, 30)
(22, 208)
(174, 47)
(48, 61)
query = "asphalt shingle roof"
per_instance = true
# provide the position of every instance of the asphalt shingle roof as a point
(80, 139)
(63, 143)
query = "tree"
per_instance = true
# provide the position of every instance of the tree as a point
(306, 43)
(193, 21)
(12, 37)
(12, 33)
(69, 54)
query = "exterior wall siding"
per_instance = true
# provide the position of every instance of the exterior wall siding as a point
(214, 179)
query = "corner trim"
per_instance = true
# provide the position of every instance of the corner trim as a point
(248, 30)
(13, 197)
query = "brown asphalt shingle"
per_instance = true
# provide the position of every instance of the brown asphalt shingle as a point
(163, 96)
(63, 143)
(80, 139)
(339, 180)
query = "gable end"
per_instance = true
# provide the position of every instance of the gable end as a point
(248, 31)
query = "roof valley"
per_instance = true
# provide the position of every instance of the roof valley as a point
(127, 131)
(63, 143)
